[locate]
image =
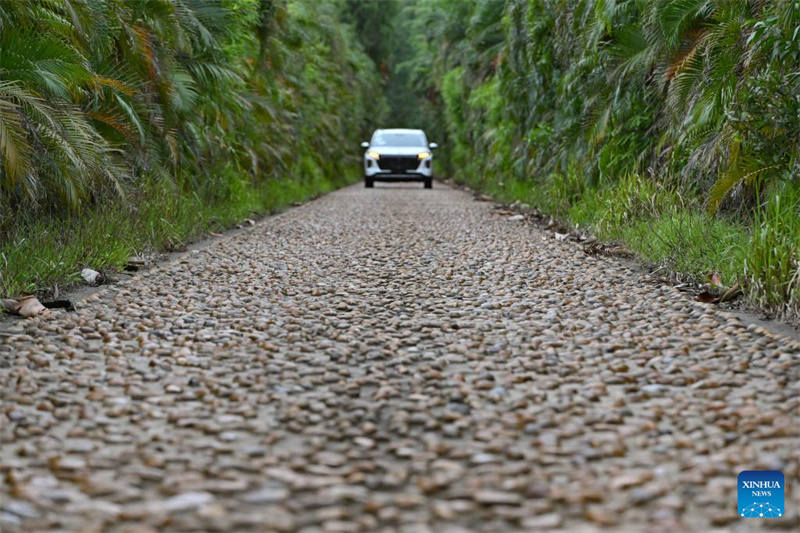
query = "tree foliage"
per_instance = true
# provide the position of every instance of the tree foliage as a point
(100, 98)
(671, 118)
(703, 93)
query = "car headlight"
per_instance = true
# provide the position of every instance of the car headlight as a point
(374, 155)
(424, 155)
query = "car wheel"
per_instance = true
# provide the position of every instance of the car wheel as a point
(429, 183)
(369, 183)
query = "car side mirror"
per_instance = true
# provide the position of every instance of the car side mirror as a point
(365, 144)
(433, 145)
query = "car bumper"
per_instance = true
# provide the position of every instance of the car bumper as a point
(398, 177)
(373, 170)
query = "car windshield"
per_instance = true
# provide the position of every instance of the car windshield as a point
(384, 138)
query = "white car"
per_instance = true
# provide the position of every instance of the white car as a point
(398, 155)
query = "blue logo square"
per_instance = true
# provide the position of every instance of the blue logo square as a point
(761, 494)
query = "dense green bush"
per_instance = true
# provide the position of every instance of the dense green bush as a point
(167, 116)
(560, 103)
(98, 97)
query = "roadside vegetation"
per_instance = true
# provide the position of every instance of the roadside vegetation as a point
(129, 127)
(670, 125)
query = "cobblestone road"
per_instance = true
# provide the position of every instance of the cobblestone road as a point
(392, 359)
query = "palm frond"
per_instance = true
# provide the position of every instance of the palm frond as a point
(15, 149)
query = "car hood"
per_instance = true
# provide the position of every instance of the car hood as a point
(398, 150)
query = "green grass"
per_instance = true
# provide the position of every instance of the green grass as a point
(772, 254)
(610, 208)
(692, 243)
(39, 255)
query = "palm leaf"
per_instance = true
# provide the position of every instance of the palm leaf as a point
(14, 146)
(744, 169)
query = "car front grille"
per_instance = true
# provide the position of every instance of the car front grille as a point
(398, 164)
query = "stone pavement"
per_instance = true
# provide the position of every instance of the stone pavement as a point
(392, 359)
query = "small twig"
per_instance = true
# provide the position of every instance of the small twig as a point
(659, 269)
(731, 293)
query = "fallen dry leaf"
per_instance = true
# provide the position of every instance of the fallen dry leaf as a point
(707, 297)
(10, 306)
(715, 279)
(731, 293)
(28, 306)
(613, 249)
